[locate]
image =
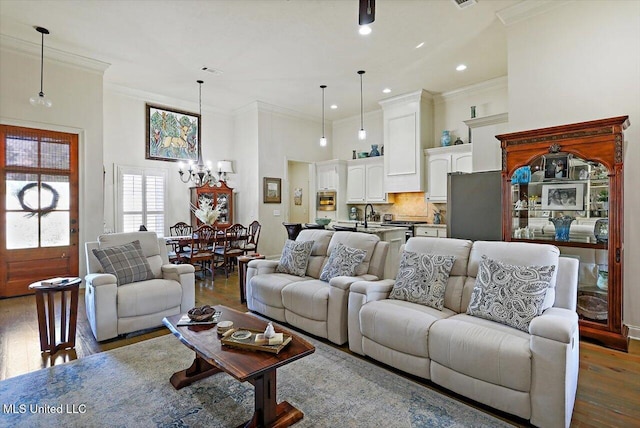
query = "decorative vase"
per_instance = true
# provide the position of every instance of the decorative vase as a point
(354, 155)
(374, 151)
(437, 218)
(562, 225)
(601, 230)
(445, 140)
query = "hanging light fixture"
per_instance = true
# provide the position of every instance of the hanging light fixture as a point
(323, 140)
(199, 174)
(362, 134)
(40, 99)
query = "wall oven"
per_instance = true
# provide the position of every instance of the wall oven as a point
(326, 201)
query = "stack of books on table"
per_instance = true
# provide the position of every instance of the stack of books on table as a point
(55, 282)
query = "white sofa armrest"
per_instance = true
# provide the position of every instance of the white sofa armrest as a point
(555, 362)
(98, 279)
(556, 324)
(183, 274)
(100, 297)
(338, 303)
(360, 293)
(263, 266)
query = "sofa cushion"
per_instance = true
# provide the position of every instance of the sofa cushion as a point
(343, 261)
(509, 294)
(321, 239)
(267, 288)
(483, 350)
(307, 298)
(295, 257)
(422, 278)
(148, 297)
(148, 241)
(362, 241)
(126, 262)
(399, 325)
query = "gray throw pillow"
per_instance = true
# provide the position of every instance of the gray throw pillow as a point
(422, 278)
(509, 294)
(295, 257)
(343, 261)
(127, 262)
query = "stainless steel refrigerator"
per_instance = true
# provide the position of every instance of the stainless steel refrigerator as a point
(474, 206)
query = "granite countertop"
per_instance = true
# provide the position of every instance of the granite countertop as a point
(431, 225)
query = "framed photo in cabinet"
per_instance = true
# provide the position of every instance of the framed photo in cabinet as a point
(556, 166)
(563, 197)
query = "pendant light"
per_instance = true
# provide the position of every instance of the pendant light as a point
(362, 134)
(323, 140)
(40, 99)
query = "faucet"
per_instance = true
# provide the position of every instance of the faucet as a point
(365, 214)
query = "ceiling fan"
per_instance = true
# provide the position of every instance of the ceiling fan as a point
(367, 12)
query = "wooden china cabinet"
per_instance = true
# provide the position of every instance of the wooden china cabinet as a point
(572, 175)
(222, 197)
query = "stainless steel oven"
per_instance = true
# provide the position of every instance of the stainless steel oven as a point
(326, 201)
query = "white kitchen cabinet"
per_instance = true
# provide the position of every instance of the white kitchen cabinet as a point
(365, 181)
(332, 176)
(408, 130)
(327, 175)
(433, 231)
(439, 162)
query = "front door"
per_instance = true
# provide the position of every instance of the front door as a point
(39, 207)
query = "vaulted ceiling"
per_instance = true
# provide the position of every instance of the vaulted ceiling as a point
(275, 51)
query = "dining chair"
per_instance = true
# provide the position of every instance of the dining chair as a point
(179, 229)
(201, 248)
(232, 239)
(253, 235)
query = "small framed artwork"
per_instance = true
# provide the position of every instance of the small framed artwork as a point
(563, 197)
(556, 166)
(172, 135)
(272, 190)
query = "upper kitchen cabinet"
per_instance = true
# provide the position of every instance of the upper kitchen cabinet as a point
(365, 180)
(408, 130)
(487, 155)
(329, 174)
(439, 162)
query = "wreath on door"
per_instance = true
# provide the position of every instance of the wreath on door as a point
(55, 197)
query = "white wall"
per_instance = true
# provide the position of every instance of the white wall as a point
(75, 87)
(283, 135)
(124, 144)
(345, 135)
(298, 177)
(581, 62)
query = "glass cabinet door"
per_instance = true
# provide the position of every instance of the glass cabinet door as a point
(564, 200)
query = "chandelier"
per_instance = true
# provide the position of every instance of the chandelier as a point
(200, 174)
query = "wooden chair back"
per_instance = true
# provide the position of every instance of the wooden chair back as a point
(180, 229)
(253, 236)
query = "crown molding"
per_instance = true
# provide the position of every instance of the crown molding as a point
(12, 44)
(405, 98)
(527, 9)
(494, 119)
(465, 91)
(160, 99)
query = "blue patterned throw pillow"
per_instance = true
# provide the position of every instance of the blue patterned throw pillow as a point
(509, 294)
(295, 257)
(422, 279)
(343, 261)
(127, 262)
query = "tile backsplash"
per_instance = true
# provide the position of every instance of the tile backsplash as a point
(410, 206)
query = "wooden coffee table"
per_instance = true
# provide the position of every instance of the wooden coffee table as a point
(258, 368)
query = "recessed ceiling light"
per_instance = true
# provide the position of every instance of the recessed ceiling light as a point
(364, 30)
(461, 67)
(333, 107)
(386, 90)
(420, 45)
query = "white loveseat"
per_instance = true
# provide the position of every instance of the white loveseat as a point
(114, 309)
(307, 302)
(531, 374)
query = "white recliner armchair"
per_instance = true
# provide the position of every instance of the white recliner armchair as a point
(114, 309)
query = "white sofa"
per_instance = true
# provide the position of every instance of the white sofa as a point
(309, 303)
(113, 310)
(531, 374)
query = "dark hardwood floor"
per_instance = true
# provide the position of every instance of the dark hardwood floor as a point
(608, 386)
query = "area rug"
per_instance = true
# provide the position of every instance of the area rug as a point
(129, 387)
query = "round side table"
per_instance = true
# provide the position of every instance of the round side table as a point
(47, 314)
